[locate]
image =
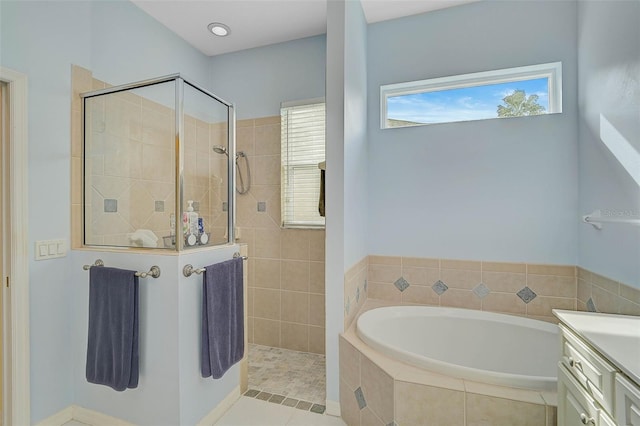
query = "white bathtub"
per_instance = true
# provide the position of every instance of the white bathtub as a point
(485, 347)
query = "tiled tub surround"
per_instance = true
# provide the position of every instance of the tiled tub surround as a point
(600, 294)
(286, 280)
(131, 166)
(377, 390)
(355, 290)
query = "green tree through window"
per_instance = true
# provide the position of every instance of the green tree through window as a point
(518, 104)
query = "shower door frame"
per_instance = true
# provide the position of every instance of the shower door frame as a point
(180, 81)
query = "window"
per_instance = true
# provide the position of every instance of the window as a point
(303, 130)
(512, 92)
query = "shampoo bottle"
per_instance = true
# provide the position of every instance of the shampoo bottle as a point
(193, 218)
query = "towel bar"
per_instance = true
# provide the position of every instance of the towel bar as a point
(154, 272)
(189, 270)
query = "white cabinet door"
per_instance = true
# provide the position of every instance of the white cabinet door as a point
(575, 406)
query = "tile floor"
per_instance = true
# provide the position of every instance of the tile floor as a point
(254, 412)
(286, 373)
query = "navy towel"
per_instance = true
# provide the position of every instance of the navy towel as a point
(222, 318)
(112, 348)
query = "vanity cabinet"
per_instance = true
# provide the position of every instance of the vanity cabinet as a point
(595, 388)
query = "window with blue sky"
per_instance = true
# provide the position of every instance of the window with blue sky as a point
(512, 92)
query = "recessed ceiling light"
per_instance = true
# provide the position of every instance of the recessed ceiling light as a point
(221, 30)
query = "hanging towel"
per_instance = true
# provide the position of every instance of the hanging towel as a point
(112, 348)
(321, 200)
(222, 318)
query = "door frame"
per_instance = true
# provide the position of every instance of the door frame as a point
(18, 339)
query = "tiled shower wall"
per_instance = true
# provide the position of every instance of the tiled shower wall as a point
(131, 167)
(286, 266)
(530, 290)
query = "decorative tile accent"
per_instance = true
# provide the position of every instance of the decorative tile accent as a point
(159, 206)
(360, 398)
(290, 402)
(481, 290)
(440, 287)
(317, 408)
(277, 399)
(591, 307)
(252, 393)
(401, 284)
(304, 405)
(264, 396)
(526, 294)
(393, 424)
(347, 306)
(262, 206)
(110, 205)
(366, 284)
(357, 294)
(225, 206)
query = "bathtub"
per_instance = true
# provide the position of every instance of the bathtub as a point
(480, 346)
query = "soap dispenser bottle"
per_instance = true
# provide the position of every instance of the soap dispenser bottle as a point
(193, 218)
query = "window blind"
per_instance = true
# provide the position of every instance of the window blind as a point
(303, 140)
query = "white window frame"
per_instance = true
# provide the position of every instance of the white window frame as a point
(552, 71)
(299, 224)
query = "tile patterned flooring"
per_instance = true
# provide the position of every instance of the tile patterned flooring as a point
(287, 377)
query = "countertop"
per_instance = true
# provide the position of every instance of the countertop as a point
(617, 337)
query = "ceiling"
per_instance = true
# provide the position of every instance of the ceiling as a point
(256, 23)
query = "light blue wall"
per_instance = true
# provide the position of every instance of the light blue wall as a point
(257, 80)
(119, 43)
(609, 76)
(45, 56)
(488, 190)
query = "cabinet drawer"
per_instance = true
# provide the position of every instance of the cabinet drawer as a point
(627, 402)
(575, 406)
(595, 374)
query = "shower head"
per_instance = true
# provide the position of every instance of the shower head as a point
(219, 149)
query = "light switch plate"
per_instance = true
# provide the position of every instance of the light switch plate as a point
(50, 249)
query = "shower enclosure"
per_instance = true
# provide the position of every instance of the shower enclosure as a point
(153, 177)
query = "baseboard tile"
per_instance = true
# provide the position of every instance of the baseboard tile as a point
(218, 411)
(95, 418)
(59, 418)
(333, 408)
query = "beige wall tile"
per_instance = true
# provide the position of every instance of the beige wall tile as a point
(266, 303)
(349, 358)
(630, 293)
(421, 262)
(267, 273)
(422, 295)
(519, 268)
(626, 307)
(506, 282)
(467, 265)
(250, 299)
(584, 274)
(460, 279)
(385, 260)
(295, 275)
(268, 139)
(294, 336)
(485, 410)
(504, 302)
(316, 310)
(583, 290)
(420, 276)
(605, 283)
(377, 387)
(262, 121)
(552, 415)
(316, 245)
(542, 305)
(368, 417)
(295, 307)
(460, 299)
(247, 122)
(317, 340)
(266, 332)
(561, 270)
(349, 410)
(384, 291)
(381, 273)
(581, 306)
(427, 405)
(267, 243)
(266, 170)
(250, 330)
(605, 302)
(551, 285)
(316, 277)
(295, 244)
